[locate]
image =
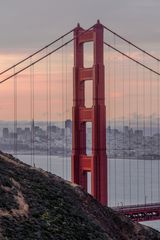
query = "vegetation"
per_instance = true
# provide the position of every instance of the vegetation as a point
(36, 205)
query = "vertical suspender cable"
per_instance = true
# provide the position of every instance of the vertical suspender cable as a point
(47, 126)
(31, 117)
(115, 140)
(158, 125)
(129, 121)
(151, 138)
(15, 112)
(107, 97)
(144, 127)
(123, 131)
(66, 111)
(62, 60)
(50, 114)
(137, 128)
(32, 112)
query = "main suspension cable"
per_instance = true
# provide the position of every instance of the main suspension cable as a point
(33, 63)
(35, 53)
(134, 60)
(38, 60)
(147, 53)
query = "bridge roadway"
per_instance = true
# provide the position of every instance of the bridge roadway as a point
(140, 213)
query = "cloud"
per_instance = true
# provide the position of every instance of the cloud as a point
(31, 24)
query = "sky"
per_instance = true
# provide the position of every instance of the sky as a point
(29, 25)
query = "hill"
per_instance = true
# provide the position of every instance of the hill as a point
(37, 205)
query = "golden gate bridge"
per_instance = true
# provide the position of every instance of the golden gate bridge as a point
(114, 82)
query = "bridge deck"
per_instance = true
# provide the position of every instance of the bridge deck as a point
(140, 213)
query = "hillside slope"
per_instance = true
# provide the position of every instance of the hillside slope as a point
(36, 205)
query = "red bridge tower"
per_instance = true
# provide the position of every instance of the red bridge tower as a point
(97, 162)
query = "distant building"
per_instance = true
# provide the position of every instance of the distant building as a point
(27, 133)
(5, 133)
(109, 129)
(138, 135)
(27, 130)
(68, 124)
(36, 129)
(19, 131)
(68, 127)
(13, 135)
(128, 132)
(53, 129)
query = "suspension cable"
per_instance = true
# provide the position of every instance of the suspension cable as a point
(33, 63)
(64, 35)
(50, 113)
(115, 133)
(124, 179)
(147, 53)
(144, 130)
(47, 104)
(158, 126)
(35, 53)
(62, 96)
(109, 123)
(66, 111)
(129, 123)
(31, 112)
(15, 112)
(51, 52)
(134, 60)
(137, 128)
(151, 137)
(32, 115)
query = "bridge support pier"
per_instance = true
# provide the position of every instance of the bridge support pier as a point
(97, 162)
